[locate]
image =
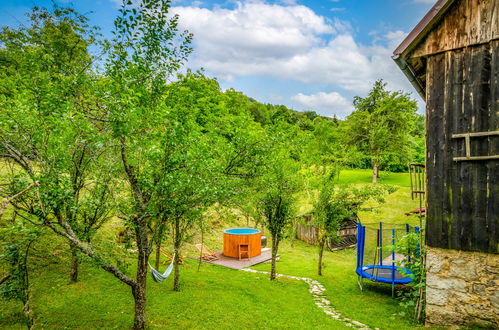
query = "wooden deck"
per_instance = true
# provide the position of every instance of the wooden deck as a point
(235, 263)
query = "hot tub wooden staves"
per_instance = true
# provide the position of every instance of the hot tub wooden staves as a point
(232, 242)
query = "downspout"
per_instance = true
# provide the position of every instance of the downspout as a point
(406, 69)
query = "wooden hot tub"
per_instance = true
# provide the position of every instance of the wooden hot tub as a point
(236, 236)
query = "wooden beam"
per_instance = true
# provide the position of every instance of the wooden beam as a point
(467, 137)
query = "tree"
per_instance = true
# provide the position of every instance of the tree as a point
(209, 148)
(337, 203)
(276, 202)
(7, 200)
(147, 51)
(380, 126)
(129, 112)
(45, 88)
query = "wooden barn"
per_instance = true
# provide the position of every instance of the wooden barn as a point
(452, 59)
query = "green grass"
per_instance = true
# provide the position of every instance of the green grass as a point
(214, 298)
(392, 211)
(373, 306)
(217, 297)
(364, 176)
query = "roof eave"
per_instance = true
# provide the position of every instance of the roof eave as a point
(406, 69)
(423, 27)
(401, 53)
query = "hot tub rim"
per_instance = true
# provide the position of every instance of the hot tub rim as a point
(254, 231)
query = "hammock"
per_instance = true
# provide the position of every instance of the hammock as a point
(157, 276)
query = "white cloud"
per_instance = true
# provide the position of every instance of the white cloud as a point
(327, 104)
(252, 30)
(288, 42)
(281, 41)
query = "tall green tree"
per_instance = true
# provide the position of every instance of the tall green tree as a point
(45, 82)
(147, 51)
(211, 148)
(338, 203)
(277, 187)
(381, 125)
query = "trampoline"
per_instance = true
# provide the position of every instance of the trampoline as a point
(384, 274)
(377, 272)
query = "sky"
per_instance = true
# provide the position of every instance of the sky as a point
(307, 55)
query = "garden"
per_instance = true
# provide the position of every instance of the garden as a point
(116, 161)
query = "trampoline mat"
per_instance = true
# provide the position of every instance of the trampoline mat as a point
(385, 273)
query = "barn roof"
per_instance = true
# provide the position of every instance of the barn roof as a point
(413, 71)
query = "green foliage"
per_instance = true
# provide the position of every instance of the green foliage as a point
(139, 141)
(44, 132)
(278, 186)
(105, 301)
(16, 242)
(410, 300)
(380, 127)
(338, 203)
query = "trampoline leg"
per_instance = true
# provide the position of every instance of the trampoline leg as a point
(359, 281)
(393, 290)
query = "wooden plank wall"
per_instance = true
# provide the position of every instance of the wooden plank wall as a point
(463, 197)
(307, 234)
(467, 22)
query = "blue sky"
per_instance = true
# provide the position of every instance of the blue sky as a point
(307, 55)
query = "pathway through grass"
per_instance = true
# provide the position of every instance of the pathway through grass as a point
(317, 291)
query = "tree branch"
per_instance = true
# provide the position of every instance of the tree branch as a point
(89, 251)
(7, 200)
(5, 278)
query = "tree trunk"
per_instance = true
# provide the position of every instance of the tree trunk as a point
(158, 254)
(139, 289)
(375, 173)
(139, 296)
(322, 242)
(176, 248)
(27, 313)
(275, 247)
(75, 262)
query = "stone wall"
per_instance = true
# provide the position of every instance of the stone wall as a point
(462, 288)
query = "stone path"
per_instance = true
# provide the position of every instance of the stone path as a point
(317, 291)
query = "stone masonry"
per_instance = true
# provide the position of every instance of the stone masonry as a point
(462, 288)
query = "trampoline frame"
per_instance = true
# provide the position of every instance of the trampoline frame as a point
(361, 268)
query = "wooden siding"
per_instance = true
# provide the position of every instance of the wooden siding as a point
(467, 22)
(463, 196)
(306, 233)
(232, 242)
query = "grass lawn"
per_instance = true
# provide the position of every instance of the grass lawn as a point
(364, 176)
(372, 306)
(216, 297)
